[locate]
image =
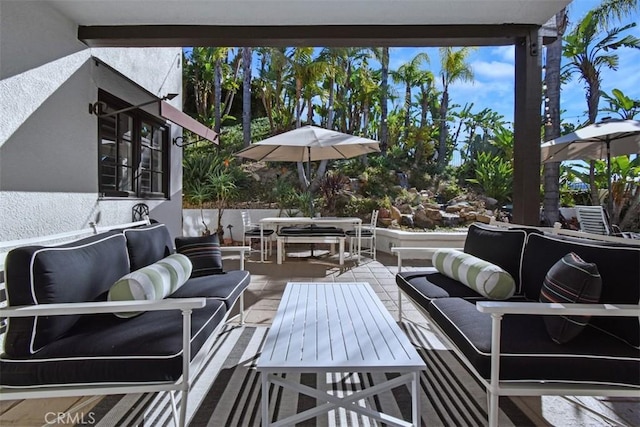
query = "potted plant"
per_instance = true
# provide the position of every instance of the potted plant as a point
(223, 189)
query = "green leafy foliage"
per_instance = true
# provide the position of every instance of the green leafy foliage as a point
(494, 175)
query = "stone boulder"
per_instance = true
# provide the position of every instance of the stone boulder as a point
(396, 215)
(422, 220)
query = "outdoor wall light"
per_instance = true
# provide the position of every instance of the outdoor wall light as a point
(98, 107)
(179, 141)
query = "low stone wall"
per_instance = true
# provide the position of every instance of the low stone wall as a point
(388, 238)
(385, 238)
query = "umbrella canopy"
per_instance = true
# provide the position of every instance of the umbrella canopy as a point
(591, 142)
(596, 141)
(308, 144)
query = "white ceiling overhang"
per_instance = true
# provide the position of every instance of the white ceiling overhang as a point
(176, 17)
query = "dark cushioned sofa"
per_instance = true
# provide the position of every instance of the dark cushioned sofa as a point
(76, 345)
(507, 344)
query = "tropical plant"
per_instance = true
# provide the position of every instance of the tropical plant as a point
(411, 75)
(494, 175)
(223, 189)
(453, 68)
(621, 104)
(589, 49)
(331, 186)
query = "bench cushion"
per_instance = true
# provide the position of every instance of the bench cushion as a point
(527, 352)
(105, 349)
(80, 271)
(147, 244)
(311, 230)
(225, 287)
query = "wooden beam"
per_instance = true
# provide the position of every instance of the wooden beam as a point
(301, 35)
(527, 122)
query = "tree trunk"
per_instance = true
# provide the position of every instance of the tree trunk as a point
(593, 98)
(551, 201)
(246, 95)
(442, 147)
(384, 85)
(217, 83)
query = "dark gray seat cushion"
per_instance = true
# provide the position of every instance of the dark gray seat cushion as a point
(225, 287)
(529, 354)
(426, 285)
(103, 348)
(311, 230)
(255, 232)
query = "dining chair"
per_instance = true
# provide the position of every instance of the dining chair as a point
(367, 232)
(251, 231)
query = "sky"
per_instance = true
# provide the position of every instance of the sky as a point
(493, 69)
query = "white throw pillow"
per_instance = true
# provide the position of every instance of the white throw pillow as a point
(489, 280)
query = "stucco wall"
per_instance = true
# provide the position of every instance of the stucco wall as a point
(48, 139)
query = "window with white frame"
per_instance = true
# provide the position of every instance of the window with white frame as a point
(133, 150)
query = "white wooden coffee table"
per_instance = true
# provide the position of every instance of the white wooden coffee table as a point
(336, 327)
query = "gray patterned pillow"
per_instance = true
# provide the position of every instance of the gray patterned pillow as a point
(570, 280)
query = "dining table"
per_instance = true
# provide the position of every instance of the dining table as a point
(355, 222)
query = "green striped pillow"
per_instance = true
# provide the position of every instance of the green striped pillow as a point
(483, 277)
(152, 282)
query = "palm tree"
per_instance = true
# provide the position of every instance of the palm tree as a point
(411, 75)
(589, 49)
(453, 68)
(218, 54)
(551, 171)
(384, 89)
(246, 95)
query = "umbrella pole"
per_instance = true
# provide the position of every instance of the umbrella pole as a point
(309, 181)
(610, 195)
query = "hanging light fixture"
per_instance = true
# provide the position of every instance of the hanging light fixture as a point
(98, 107)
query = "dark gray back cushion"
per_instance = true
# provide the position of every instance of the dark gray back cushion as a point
(618, 265)
(148, 244)
(80, 271)
(500, 246)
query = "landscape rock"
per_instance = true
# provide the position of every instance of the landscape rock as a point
(396, 214)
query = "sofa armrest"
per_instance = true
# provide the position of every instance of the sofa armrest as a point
(240, 249)
(539, 308)
(404, 253)
(183, 304)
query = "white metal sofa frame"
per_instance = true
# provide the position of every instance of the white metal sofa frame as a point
(497, 309)
(190, 368)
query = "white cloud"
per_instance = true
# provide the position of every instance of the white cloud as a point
(492, 69)
(505, 53)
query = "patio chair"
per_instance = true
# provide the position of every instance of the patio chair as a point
(367, 232)
(251, 231)
(594, 219)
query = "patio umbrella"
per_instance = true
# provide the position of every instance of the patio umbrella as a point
(601, 140)
(308, 144)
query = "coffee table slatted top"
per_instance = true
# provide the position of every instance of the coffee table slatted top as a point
(328, 327)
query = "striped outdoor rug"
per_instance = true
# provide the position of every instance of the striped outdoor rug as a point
(227, 391)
